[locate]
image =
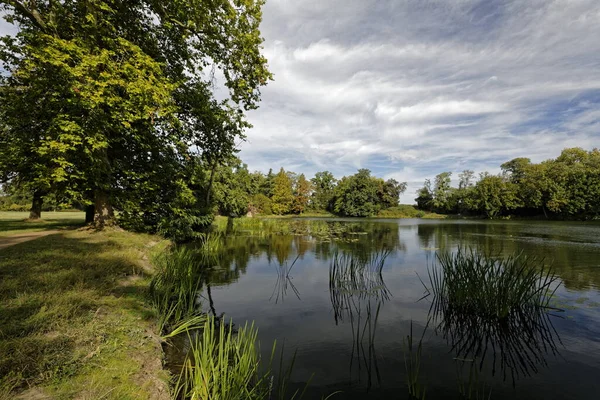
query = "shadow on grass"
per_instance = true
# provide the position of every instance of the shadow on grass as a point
(64, 297)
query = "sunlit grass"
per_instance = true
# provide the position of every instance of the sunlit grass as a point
(12, 223)
(225, 363)
(74, 322)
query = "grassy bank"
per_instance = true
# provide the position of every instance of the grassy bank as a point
(75, 321)
(12, 223)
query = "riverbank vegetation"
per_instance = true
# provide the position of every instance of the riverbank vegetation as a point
(567, 187)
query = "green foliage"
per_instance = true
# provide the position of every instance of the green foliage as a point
(442, 192)
(494, 194)
(322, 196)
(104, 104)
(469, 282)
(301, 195)
(261, 204)
(283, 196)
(425, 197)
(356, 195)
(389, 192)
(232, 188)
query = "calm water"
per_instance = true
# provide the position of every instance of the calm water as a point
(355, 340)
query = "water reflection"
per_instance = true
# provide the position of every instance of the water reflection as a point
(348, 326)
(357, 292)
(284, 281)
(517, 345)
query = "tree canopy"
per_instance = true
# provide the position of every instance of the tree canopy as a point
(108, 101)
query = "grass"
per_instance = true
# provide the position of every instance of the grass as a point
(412, 365)
(223, 365)
(495, 307)
(75, 322)
(357, 291)
(353, 277)
(174, 290)
(470, 282)
(406, 211)
(12, 223)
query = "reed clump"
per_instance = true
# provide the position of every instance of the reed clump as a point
(469, 282)
(174, 290)
(225, 363)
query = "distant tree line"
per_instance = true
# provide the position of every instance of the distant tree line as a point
(238, 191)
(567, 187)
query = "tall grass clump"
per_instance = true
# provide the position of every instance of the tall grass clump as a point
(225, 364)
(495, 308)
(174, 290)
(357, 291)
(469, 282)
(412, 365)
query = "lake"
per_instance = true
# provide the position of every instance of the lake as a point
(356, 339)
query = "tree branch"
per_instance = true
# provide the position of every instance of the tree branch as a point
(32, 14)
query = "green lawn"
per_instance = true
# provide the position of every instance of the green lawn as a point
(12, 222)
(74, 319)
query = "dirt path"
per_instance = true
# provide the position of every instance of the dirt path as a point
(7, 241)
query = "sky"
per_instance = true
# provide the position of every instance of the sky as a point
(412, 88)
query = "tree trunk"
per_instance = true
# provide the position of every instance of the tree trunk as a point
(229, 228)
(89, 214)
(36, 205)
(210, 183)
(103, 211)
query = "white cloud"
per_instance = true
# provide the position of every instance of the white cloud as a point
(413, 88)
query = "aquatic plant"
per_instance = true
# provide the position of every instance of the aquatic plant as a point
(357, 291)
(284, 281)
(356, 275)
(174, 289)
(472, 387)
(225, 364)
(470, 282)
(495, 307)
(412, 365)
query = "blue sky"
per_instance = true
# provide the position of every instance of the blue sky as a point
(411, 88)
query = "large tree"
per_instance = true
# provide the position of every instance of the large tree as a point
(301, 194)
(131, 88)
(357, 195)
(283, 195)
(323, 189)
